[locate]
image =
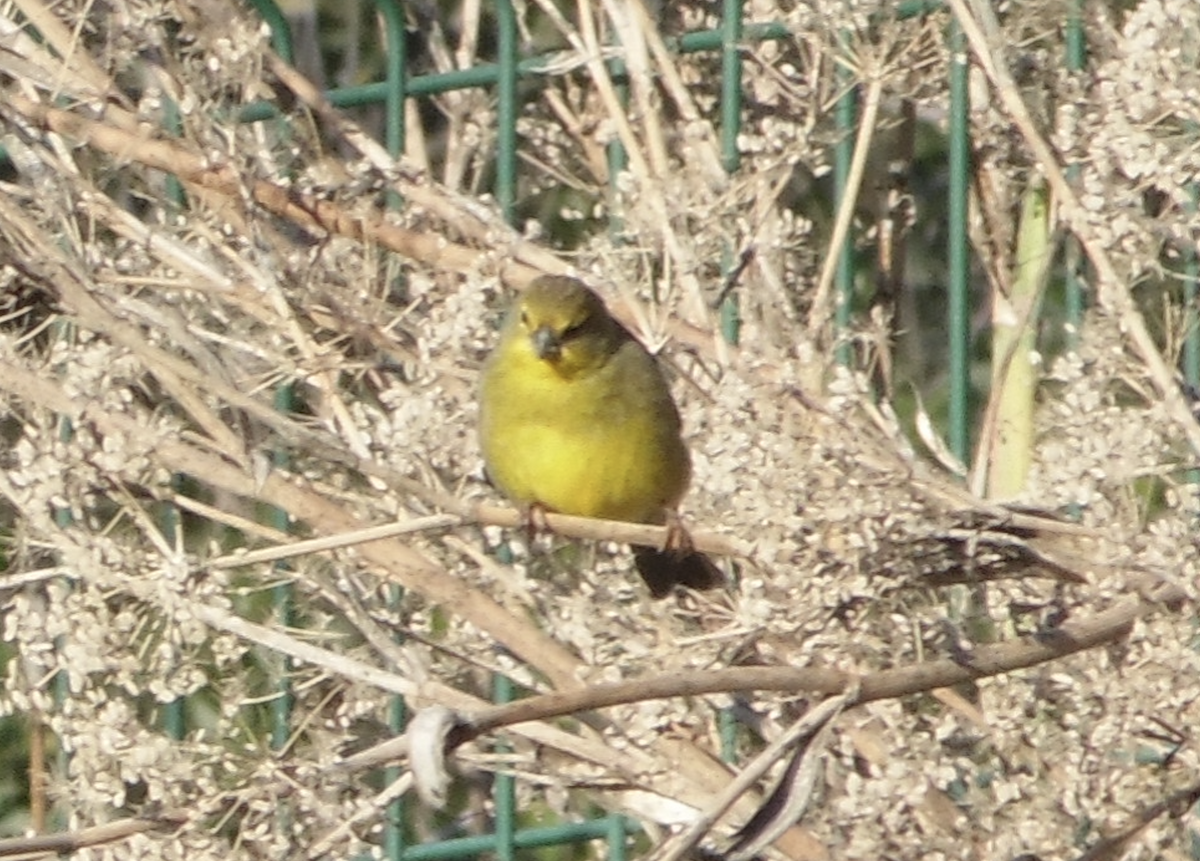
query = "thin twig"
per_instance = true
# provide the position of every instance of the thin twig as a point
(1112, 291)
(277, 641)
(990, 660)
(819, 314)
(817, 720)
(241, 559)
(309, 212)
(592, 529)
(98, 835)
(1117, 846)
(398, 788)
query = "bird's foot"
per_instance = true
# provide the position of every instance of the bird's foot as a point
(678, 539)
(535, 521)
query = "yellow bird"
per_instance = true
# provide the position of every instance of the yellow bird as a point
(576, 417)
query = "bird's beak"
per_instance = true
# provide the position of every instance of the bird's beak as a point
(546, 343)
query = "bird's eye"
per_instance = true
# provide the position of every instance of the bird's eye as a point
(572, 331)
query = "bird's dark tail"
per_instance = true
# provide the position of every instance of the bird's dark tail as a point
(664, 569)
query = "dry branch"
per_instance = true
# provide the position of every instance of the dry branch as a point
(157, 334)
(308, 505)
(1101, 629)
(391, 558)
(322, 216)
(1113, 292)
(58, 845)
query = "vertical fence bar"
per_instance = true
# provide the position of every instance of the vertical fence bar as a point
(967, 603)
(731, 127)
(393, 829)
(394, 134)
(504, 792)
(282, 599)
(727, 726)
(1191, 342)
(506, 110)
(173, 124)
(1076, 46)
(281, 596)
(731, 84)
(1190, 360)
(395, 63)
(39, 797)
(281, 36)
(616, 837)
(615, 155)
(958, 322)
(1191, 304)
(173, 712)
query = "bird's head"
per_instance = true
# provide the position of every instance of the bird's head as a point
(565, 324)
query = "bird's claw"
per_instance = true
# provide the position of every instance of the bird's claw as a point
(678, 539)
(535, 520)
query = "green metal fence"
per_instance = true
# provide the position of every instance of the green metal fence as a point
(729, 40)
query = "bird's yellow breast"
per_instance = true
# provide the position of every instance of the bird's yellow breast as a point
(604, 442)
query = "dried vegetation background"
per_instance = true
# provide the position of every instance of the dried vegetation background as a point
(196, 376)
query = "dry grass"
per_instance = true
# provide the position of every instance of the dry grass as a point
(156, 487)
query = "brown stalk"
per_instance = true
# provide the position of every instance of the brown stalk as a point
(697, 774)
(1112, 290)
(69, 842)
(1100, 629)
(396, 560)
(322, 216)
(471, 220)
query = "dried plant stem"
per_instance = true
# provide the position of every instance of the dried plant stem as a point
(304, 210)
(1006, 451)
(467, 216)
(395, 560)
(233, 521)
(586, 528)
(1105, 627)
(815, 721)
(591, 529)
(637, 64)
(462, 107)
(1117, 846)
(99, 835)
(819, 314)
(294, 549)
(346, 668)
(398, 788)
(76, 67)
(1112, 291)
